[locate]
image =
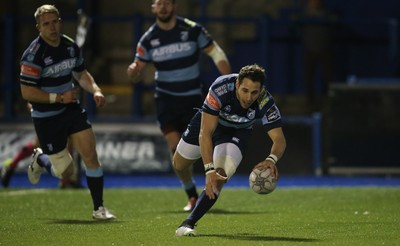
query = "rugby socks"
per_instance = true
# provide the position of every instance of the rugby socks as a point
(190, 189)
(203, 205)
(95, 182)
(43, 161)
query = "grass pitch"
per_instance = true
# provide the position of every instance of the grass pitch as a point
(288, 216)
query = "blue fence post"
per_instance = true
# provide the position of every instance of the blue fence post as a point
(316, 141)
(136, 107)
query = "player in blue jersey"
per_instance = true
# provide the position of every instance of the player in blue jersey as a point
(48, 69)
(219, 133)
(174, 44)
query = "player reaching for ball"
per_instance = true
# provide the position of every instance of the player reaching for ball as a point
(219, 133)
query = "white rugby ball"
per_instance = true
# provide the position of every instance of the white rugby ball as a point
(261, 180)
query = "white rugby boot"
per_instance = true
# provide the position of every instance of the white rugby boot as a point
(103, 214)
(186, 231)
(190, 205)
(34, 170)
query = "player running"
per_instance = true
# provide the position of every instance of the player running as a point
(174, 44)
(48, 69)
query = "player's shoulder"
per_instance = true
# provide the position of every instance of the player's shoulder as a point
(67, 40)
(224, 84)
(187, 23)
(149, 33)
(33, 49)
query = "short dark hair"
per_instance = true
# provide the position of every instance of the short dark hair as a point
(254, 72)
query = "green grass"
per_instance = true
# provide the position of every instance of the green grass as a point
(288, 216)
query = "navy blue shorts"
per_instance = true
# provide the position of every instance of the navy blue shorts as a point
(174, 113)
(53, 131)
(239, 137)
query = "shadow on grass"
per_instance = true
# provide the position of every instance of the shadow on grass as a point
(81, 222)
(254, 237)
(219, 211)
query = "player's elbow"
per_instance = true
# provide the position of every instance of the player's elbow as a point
(220, 59)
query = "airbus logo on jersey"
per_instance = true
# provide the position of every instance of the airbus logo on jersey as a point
(57, 68)
(171, 49)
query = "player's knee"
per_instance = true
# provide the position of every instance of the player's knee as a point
(61, 163)
(69, 172)
(174, 164)
(178, 162)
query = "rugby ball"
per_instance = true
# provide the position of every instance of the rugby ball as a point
(261, 180)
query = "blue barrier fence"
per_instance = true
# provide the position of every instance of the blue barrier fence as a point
(314, 121)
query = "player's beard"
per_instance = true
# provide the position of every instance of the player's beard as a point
(166, 18)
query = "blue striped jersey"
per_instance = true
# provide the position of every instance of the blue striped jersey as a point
(221, 100)
(50, 69)
(175, 54)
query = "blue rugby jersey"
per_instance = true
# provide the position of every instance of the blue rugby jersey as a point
(50, 69)
(221, 100)
(175, 54)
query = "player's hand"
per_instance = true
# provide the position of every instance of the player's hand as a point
(271, 165)
(99, 99)
(212, 180)
(69, 96)
(134, 73)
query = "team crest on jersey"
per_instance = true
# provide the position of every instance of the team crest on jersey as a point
(227, 108)
(71, 51)
(251, 113)
(155, 42)
(231, 86)
(48, 60)
(184, 35)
